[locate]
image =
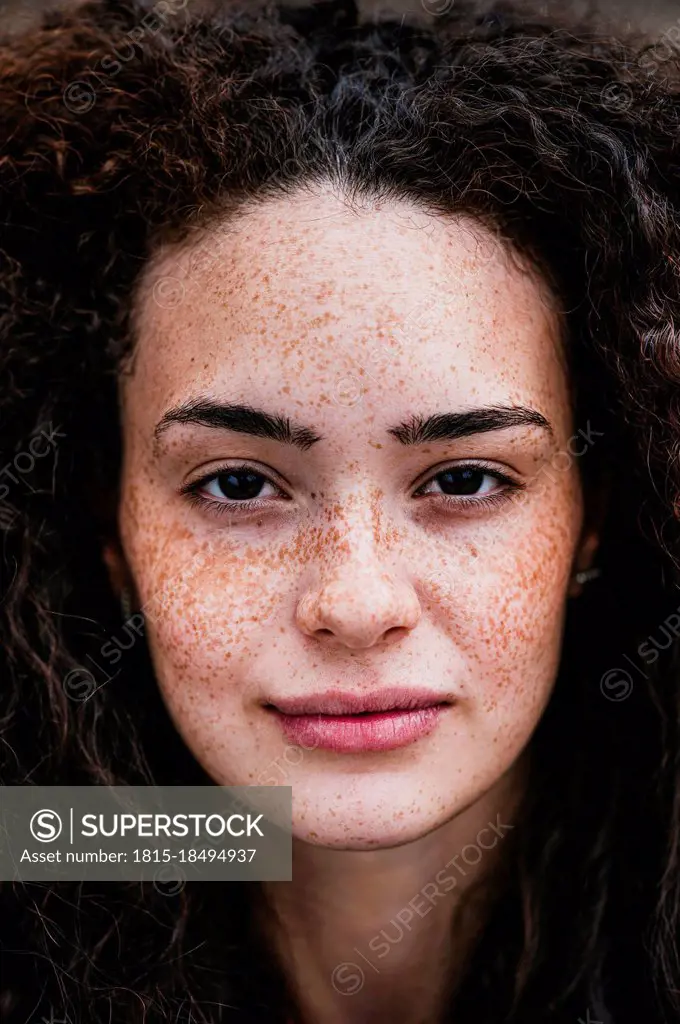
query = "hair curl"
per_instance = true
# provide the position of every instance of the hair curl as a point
(127, 127)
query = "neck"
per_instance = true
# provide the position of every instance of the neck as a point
(365, 936)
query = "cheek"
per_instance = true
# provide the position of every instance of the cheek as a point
(207, 611)
(202, 597)
(505, 614)
(206, 625)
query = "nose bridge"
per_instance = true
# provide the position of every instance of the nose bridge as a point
(354, 535)
(357, 593)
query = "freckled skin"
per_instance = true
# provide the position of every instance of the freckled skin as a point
(342, 578)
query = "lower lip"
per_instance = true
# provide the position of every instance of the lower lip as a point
(351, 734)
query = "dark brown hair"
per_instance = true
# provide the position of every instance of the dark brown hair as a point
(123, 126)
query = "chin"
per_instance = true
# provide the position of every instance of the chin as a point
(365, 817)
(345, 838)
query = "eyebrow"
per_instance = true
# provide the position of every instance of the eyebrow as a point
(449, 426)
(416, 430)
(244, 419)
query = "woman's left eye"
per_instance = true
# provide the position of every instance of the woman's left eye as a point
(466, 482)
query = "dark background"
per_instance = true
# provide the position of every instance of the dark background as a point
(653, 16)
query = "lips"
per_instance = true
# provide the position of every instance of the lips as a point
(354, 723)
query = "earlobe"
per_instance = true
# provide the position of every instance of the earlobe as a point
(596, 508)
(584, 571)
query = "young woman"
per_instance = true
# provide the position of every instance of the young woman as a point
(340, 382)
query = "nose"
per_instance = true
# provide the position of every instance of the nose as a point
(359, 609)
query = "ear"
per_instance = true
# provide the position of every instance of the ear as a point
(596, 507)
(117, 567)
(588, 545)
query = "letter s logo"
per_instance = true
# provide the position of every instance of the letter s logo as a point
(45, 825)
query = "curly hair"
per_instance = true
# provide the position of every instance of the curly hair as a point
(126, 128)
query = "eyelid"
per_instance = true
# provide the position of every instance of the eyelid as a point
(480, 464)
(243, 466)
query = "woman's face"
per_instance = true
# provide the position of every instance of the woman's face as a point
(337, 545)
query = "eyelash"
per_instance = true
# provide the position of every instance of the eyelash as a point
(218, 508)
(470, 502)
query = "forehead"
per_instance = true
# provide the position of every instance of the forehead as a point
(304, 292)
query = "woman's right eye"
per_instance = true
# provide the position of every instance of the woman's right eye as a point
(236, 485)
(238, 488)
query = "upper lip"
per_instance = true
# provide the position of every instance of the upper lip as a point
(337, 702)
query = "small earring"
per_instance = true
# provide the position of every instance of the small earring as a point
(587, 575)
(125, 603)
